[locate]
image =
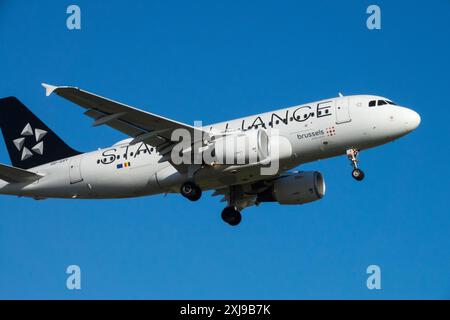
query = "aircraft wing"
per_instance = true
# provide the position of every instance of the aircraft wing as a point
(243, 200)
(245, 195)
(141, 125)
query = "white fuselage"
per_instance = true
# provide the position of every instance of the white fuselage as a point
(315, 131)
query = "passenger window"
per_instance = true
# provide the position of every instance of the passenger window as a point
(381, 102)
(372, 103)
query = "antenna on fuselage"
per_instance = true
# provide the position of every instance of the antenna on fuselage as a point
(340, 94)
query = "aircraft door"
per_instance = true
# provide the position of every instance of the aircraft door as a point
(342, 110)
(75, 170)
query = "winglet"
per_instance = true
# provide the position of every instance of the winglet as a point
(49, 89)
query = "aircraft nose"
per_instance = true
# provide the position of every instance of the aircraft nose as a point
(412, 120)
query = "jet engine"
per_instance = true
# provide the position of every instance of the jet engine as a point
(295, 188)
(241, 148)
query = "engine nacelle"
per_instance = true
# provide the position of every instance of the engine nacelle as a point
(241, 148)
(296, 188)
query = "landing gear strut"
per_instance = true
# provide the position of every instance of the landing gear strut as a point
(352, 155)
(191, 191)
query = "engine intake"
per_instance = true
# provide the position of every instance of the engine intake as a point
(295, 188)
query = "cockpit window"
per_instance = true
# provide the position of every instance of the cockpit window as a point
(373, 103)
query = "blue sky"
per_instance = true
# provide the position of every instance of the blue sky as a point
(212, 61)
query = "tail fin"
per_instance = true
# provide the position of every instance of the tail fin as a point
(29, 141)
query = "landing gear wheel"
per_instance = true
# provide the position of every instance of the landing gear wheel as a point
(231, 216)
(358, 174)
(191, 191)
(352, 155)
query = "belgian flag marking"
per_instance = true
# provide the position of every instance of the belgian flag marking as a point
(124, 165)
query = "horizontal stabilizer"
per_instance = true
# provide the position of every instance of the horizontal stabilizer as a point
(16, 175)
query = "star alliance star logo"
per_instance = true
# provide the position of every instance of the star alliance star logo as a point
(38, 147)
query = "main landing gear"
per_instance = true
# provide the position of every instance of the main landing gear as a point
(191, 191)
(231, 214)
(352, 155)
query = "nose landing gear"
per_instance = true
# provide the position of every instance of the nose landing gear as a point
(358, 174)
(352, 155)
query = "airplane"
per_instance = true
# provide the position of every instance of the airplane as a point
(143, 164)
